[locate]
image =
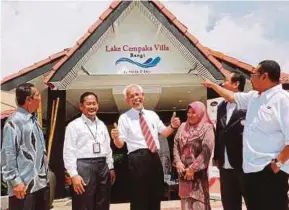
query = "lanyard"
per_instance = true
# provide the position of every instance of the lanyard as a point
(94, 136)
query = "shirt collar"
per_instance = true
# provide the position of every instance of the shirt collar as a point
(136, 111)
(25, 113)
(88, 121)
(268, 93)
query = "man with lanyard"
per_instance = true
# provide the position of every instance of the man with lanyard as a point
(139, 129)
(23, 156)
(265, 138)
(88, 157)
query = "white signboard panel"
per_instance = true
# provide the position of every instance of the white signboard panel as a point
(137, 47)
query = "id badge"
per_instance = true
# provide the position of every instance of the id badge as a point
(96, 147)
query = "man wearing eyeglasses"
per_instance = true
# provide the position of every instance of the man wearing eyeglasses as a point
(265, 138)
(23, 156)
(138, 129)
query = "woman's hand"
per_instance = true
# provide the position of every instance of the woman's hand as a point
(189, 174)
(180, 168)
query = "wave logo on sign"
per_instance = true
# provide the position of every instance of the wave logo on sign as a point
(149, 63)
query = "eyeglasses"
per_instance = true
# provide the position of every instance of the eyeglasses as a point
(255, 74)
(36, 96)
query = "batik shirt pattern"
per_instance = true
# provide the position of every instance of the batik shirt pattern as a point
(23, 154)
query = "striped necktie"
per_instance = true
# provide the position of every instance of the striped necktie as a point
(147, 133)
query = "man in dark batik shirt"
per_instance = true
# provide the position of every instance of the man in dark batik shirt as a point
(23, 156)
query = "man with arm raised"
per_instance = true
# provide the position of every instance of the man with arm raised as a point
(265, 138)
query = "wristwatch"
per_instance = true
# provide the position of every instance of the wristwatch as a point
(278, 163)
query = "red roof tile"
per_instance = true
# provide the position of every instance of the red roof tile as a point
(203, 49)
(180, 26)
(159, 5)
(59, 54)
(215, 61)
(7, 113)
(232, 60)
(284, 78)
(83, 39)
(114, 4)
(168, 14)
(73, 49)
(246, 66)
(59, 63)
(27, 69)
(105, 14)
(34, 66)
(94, 26)
(192, 38)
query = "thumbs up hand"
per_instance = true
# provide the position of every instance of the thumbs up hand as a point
(115, 132)
(175, 121)
(114, 125)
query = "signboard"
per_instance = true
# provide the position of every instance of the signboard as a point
(137, 60)
(136, 47)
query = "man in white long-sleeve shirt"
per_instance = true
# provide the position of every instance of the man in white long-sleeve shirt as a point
(88, 157)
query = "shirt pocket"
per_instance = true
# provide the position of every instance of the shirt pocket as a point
(266, 119)
(154, 126)
(266, 110)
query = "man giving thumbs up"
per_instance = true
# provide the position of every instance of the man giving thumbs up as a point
(139, 129)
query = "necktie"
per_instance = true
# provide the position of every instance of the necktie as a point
(147, 133)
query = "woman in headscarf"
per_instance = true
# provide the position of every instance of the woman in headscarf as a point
(193, 146)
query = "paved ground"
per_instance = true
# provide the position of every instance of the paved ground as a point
(65, 204)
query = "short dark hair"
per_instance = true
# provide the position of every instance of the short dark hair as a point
(82, 97)
(22, 91)
(272, 68)
(237, 77)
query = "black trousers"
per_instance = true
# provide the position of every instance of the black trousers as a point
(232, 189)
(96, 175)
(267, 190)
(34, 201)
(146, 180)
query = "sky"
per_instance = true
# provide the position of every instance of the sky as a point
(249, 31)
